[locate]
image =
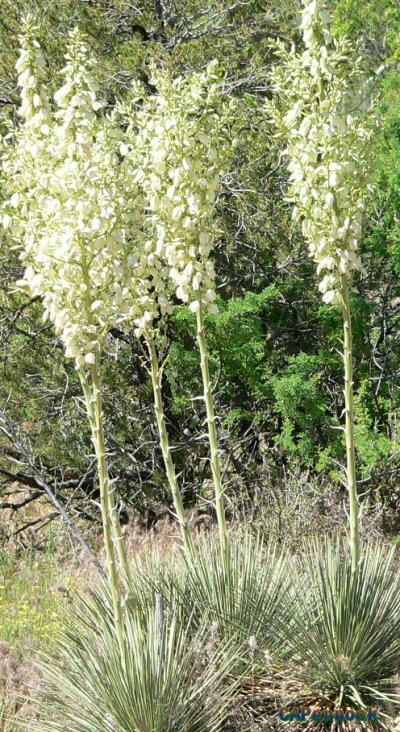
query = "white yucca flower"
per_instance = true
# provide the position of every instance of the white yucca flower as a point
(112, 225)
(176, 154)
(102, 240)
(68, 210)
(35, 109)
(321, 109)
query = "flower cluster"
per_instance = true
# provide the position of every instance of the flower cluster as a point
(67, 206)
(320, 109)
(112, 223)
(35, 109)
(177, 154)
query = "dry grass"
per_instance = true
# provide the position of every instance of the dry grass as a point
(18, 683)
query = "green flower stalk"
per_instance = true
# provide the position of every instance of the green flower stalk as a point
(156, 376)
(213, 438)
(322, 111)
(349, 417)
(113, 539)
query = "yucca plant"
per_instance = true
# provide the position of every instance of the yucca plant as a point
(102, 238)
(344, 638)
(10, 721)
(246, 605)
(256, 581)
(322, 111)
(186, 160)
(171, 681)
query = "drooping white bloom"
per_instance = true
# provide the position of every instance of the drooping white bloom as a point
(321, 110)
(111, 224)
(34, 109)
(176, 142)
(67, 206)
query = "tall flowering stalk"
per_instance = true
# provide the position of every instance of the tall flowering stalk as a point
(156, 378)
(185, 155)
(67, 211)
(111, 225)
(152, 284)
(320, 108)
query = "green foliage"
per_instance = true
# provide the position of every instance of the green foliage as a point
(303, 631)
(376, 22)
(242, 352)
(185, 659)
(373, 446)
(257, 578)
(237, 344)
(256, 374)
(301, 402)
(225, 600)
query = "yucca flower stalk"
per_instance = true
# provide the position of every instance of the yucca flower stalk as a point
(91, 249)
(152, 287)
(108, 506)
(102, 259)
(66, 210)
(181, 132)
(212, 434)
(97, 241)
(156, 378)
(321, 109)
